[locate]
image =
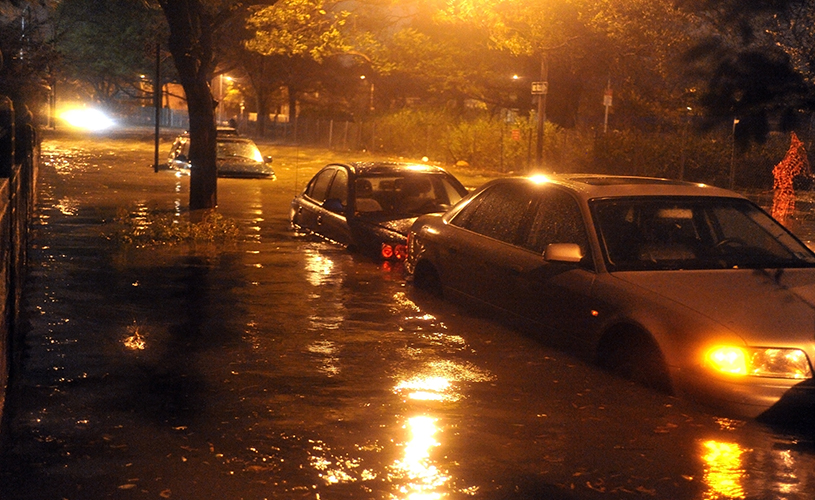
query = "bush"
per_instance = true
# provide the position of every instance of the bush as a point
(506, 144)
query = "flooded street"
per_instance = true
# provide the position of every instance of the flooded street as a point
(278, 367)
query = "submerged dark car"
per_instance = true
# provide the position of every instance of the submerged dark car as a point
(237, 156)
(369, 207)
(687, 288)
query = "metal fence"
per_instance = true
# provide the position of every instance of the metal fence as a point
(19, 159)
(168, 118)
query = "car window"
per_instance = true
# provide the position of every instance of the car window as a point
(339, 187)
(409, 193)
(497, 212)
(318, 189)
(556, 219)
(693, 233)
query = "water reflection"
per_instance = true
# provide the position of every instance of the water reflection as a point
(421, 478)
(328, 352)
(135, 340)
(319, 268)
(724, 470)
(67, 206)
(438, 380)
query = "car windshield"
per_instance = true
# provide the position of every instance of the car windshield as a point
(239, 149)
(405, 194)
(647, 233)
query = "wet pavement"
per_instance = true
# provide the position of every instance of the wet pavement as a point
(274, 366)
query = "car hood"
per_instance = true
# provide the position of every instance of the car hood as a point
(758, 304)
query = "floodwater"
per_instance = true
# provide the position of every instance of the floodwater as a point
(274, 366)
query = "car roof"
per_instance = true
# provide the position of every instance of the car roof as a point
(391, 167)
(233, 139)
(592, 186)
(222, 138)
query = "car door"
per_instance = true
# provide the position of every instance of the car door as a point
(332, 217)
(309, 204)
(496, 257)
(481, 236)
(554, 295)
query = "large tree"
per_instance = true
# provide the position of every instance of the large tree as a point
(757, 60)
(195, 25)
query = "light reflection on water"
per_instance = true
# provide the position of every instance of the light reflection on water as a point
(67, 206)
(328, 352)
(421, 479)
(724, 471)
(319, 268)
(135, 340)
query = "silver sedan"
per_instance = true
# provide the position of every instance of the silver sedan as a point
(687, 288)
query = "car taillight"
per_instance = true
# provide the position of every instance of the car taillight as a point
(387, 251)
(393, 251)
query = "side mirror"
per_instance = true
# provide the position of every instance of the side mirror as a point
(267, 159)
(334, 205)
(563, 252)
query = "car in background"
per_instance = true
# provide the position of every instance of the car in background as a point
(236, 156)
(227, 131)
(683, 287)
(369, 207)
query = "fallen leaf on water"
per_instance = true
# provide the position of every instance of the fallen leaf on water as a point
(165, 494)
(665, 429)
(643, 489)
(127, 486)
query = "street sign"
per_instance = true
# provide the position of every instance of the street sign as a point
(540, 88)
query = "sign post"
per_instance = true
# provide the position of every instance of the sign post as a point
(607, 98)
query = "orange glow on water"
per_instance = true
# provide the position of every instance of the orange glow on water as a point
(724, 471)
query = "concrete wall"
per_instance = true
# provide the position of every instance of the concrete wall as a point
(19, 160)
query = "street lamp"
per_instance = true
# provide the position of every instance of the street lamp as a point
(733, 155)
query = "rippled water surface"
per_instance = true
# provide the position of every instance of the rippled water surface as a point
(275, 366)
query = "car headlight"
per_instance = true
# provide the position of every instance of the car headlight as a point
(759, 362)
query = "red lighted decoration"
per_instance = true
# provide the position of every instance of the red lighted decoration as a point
(795, 163)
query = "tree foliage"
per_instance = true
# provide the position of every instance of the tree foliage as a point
(756, 59)
(105, 45)
(27, 56)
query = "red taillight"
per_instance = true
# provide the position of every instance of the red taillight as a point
(393, 251)
(387, 251)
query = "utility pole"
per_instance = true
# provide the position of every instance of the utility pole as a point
(157, 103)
(541, 89)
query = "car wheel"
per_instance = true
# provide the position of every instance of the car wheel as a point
(634, 355)
(426, 278)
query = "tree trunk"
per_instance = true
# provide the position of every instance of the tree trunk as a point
(262, 102)
(191, 46)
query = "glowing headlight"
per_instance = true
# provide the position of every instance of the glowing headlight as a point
(759, 362)
(87, 118)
